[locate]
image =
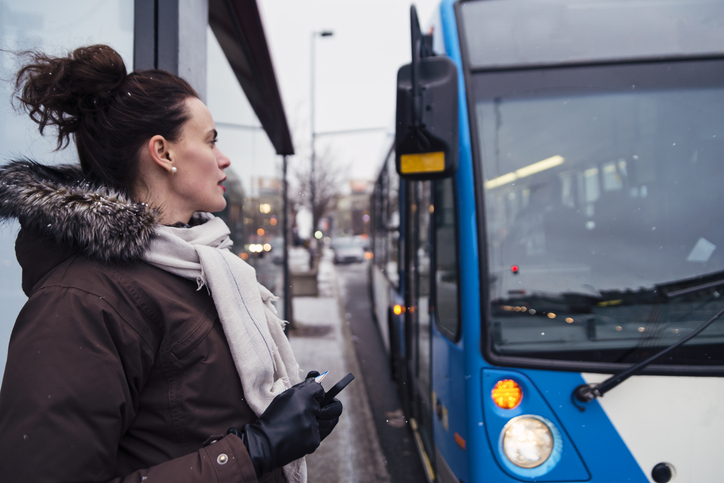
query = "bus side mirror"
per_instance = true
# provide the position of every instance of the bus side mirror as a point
(426, 145)
(426, 130)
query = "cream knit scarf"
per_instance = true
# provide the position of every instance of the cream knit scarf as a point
(260, 349)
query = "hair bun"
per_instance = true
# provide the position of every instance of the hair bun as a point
(61, 91)
(97, 73)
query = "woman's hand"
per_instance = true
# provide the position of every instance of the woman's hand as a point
(328, 416)
(287, 430)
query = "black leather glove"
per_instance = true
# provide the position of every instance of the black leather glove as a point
(328, 416)
(287, 430)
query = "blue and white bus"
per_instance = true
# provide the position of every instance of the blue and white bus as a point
(549, 241)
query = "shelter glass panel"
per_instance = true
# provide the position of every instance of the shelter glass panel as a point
(55, 28)
(254, 186)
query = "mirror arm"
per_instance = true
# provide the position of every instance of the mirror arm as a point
(415, 71)
(426, 116)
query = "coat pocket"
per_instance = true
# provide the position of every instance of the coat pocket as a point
(201, 329)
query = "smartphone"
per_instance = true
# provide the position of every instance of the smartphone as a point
(337, 388)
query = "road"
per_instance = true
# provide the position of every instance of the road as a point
(395, 435)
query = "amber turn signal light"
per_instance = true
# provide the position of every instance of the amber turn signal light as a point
(507, 394)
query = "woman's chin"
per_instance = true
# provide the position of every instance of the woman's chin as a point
(218, 207)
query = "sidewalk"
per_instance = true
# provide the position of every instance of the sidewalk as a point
(321, 340)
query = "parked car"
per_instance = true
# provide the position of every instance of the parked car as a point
(363, 241)
(347, 250)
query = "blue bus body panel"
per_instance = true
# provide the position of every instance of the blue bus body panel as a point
(465, 356)
(449, 391)
(564, 464)
(598, 454)
(599, 444)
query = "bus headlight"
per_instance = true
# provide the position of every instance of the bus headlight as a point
(527, 441)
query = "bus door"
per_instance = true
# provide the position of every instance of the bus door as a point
(418, 360)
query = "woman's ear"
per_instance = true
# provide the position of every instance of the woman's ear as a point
(160, 150)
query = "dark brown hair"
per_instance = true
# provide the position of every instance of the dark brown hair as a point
(109, 113)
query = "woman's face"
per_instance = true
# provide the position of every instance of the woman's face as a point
(196, 184)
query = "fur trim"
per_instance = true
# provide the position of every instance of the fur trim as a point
(58, 202)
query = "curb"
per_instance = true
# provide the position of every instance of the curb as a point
(352, 363)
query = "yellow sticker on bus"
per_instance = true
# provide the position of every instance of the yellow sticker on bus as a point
(422, 163)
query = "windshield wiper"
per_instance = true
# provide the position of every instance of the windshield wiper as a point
(589, 392)
(695, 288)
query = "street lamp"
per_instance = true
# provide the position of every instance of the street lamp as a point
(315, 34)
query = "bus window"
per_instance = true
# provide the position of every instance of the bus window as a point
(392, 222)
(379, 220)
(422, 272)
(418, 317)
(385, 203)
(446, 260)
(604, 199)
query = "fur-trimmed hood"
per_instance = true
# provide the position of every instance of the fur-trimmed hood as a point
(59, 204)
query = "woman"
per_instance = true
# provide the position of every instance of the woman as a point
(146, 350)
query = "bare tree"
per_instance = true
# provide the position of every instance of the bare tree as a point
(328, 179)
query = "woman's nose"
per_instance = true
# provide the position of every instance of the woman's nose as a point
(224, 161)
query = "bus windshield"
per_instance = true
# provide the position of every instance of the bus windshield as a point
(603, 210)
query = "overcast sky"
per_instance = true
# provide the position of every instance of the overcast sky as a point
(356, 71)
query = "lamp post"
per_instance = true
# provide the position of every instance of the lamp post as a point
(315, 34)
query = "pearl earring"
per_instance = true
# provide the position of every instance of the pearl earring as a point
(173, 170)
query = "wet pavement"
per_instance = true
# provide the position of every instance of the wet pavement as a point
(321, 341)
(336, 331)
